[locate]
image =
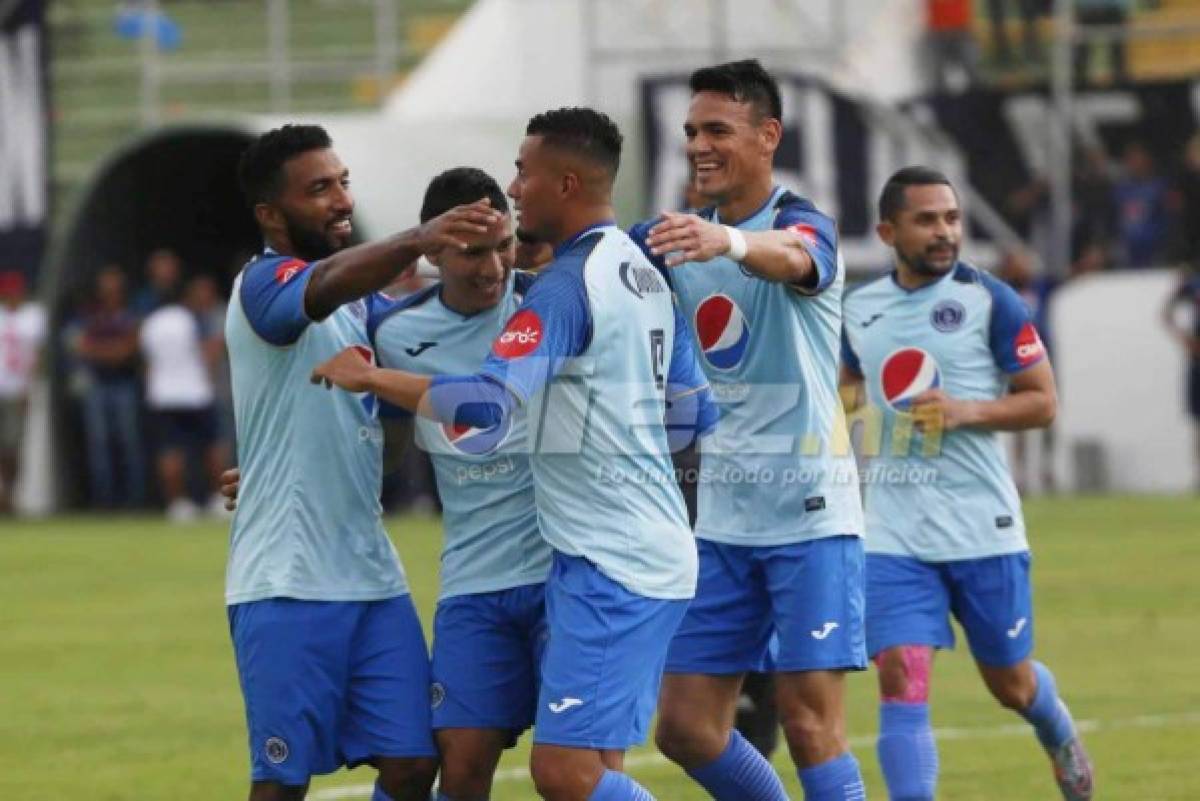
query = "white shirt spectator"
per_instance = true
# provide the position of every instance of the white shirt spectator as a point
(21, 334)
(176, 375)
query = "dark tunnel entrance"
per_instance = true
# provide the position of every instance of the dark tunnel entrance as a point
(174, 189)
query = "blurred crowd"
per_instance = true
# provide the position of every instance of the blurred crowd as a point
(148, 371)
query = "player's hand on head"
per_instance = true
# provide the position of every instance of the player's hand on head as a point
(687, 237)
(230, 480)
(349, 370)
(447, 230)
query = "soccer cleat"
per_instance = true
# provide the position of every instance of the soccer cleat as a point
(1073, 771)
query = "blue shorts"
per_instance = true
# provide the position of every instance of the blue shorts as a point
(777, 608)
(487, 653)
(909, 602)
(330, 683)
(604, 661)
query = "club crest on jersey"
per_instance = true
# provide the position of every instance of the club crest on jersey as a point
(947, 316)
(907, 373)
(722, 330)
(288, 270)
(1029, 345)
(520, 337)
(474, 441)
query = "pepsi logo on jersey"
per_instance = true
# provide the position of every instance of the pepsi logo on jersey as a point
(520, 337)
(476, 441)
(907, 373)
(722, 330)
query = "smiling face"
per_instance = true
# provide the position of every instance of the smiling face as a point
(730, 146)
(313, 206)
(474, 279)
(927, 232)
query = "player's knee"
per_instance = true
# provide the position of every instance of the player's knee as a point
(407, 779)
(904, 673)
(561, 780)
(690, 742)
(808, 728)
(466, 778)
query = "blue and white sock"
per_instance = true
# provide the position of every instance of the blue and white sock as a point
(907, 752)
(379, 794)
(1048, 714)
(839, 779)
(740, 774)
(616, 786)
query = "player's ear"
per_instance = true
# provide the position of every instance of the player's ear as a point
(266, 215)
(886, 232)
(569, 184)
(770, 133)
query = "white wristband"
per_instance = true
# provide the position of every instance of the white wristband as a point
(737, 243)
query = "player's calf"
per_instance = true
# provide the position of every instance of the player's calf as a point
(906, 748)
(695, 716)
(811, 709)
(404, 778)
(578, 774)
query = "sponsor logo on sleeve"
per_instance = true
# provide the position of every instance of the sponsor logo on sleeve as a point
(520, 337)
(806, 232)
(1029, 345)
(288, 270)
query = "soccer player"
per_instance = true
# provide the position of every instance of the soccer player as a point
(759, 277)
(490, 625)
(948, 356)
(624, 563)
(330, 654)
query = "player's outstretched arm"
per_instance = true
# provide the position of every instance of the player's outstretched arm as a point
(1032, 402)
(358, 271)
(463, 400)
(778, 255)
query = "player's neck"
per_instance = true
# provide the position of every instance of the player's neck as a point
(910, 279)
(281, 244)
(575, 221)
(738, 206)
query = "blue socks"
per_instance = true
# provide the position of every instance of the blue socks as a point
(907, 752)
(615, 786)
(379, 794)
(740, 774)
(838, 779)
(1047, 714)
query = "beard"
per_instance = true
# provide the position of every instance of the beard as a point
(922, 264)
(309, 244)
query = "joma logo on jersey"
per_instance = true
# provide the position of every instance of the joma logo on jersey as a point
(521, 336)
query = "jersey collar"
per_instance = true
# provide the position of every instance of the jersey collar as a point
(771, 198)
(565, 246)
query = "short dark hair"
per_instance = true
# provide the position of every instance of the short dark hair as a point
(457, 187)
(745, 81)
(892, 200)
(261, 166)
(584, 131)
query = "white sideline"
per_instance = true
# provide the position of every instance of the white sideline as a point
(638, 760)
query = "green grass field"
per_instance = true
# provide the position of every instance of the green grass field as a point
(117, 679)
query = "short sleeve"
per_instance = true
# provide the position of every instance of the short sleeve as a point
(849, 357)
(1012, 336)
(272, 295)
(819, 235)
(553, 324)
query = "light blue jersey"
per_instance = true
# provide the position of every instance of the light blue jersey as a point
(308, 519)
(948, 495)
(776, 470)
(491, 537)
(600, 321)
